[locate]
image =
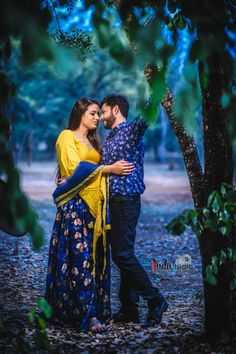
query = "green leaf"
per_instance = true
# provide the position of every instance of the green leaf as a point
(229, 228)
(176, 18)
(217, 203)
(182, 23)
(223, 230)
(37, 236)
(232, 284)
(120, 52)
(31, 316)
(230, 205)
(41, 339)
(226, 229)
(103, 31)
(30, 220)
(224, 215)
(198, 295)
(170, 26)
(179, 21)
(214, 262)
(45, 307)
(230, 253)
(198, 229)
(225, 188)
(42, 323)
(205, 73)
(223, 257)
(176, 226)
(225, 100)
(211, 223)
(189, 217)
(206, 213)
(210, 277)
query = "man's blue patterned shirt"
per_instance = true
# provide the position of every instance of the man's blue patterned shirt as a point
(125, 142)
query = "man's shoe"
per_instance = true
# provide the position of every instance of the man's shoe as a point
(125, 316)
(155, 312)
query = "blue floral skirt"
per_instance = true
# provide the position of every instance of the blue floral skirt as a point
(71, 290)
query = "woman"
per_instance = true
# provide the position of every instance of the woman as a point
(78, 279)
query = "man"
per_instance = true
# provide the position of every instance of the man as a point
(125, 142)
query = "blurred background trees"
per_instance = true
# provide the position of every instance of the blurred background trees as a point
(46, 90)
(25, 23)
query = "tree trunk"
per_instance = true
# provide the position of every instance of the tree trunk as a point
(216, 298)
(220, 308)
(220, 312)
(189, 151)
(218, 169)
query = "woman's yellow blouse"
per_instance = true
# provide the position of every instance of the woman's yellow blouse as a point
(71, 150)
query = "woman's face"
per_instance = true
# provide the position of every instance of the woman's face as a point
(90, 118)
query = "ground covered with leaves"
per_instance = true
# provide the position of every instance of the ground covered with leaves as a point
(23, 274)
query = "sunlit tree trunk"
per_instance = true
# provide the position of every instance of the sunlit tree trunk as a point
(189, 151)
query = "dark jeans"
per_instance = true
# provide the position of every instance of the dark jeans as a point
(124, 211)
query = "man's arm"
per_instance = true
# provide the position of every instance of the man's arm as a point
(137, 128)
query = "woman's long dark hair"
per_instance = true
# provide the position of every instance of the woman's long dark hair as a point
(79, 108)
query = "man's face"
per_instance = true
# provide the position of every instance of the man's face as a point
(107, 116)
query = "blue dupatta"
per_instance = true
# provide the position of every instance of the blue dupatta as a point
(81, 177)
(93, 187)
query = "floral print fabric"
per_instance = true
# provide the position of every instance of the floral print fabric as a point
(71, 290)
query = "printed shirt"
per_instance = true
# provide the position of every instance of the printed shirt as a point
(126, 142)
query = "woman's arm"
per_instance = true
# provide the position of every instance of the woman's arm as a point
(68, 155)
(121, 168)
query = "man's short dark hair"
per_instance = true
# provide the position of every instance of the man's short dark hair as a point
(118, 100)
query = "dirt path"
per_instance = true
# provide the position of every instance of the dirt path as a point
(22, 276)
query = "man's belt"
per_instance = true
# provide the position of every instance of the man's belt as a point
(119, 198)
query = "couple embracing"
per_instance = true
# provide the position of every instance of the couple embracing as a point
(98, 206)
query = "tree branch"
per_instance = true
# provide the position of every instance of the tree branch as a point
(186, 141)
(189, 151)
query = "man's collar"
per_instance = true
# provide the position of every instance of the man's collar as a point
(118, 127)
(115, 130)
